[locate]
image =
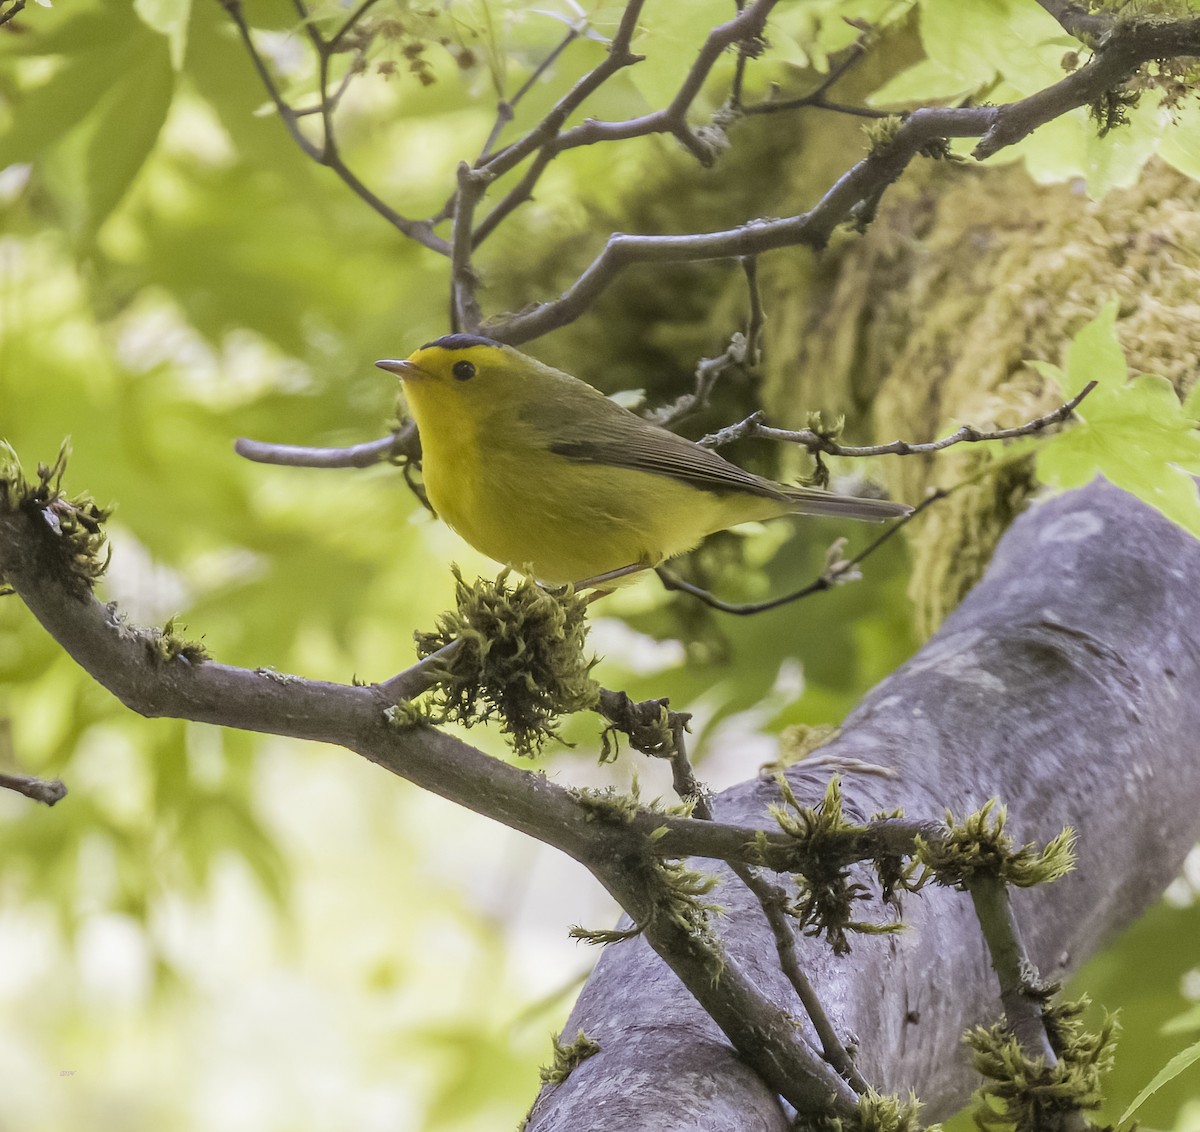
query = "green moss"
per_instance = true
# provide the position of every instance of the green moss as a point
(978, 844)
(520, 660)
(165, 644)
(607, 805)
(71, 526)
(1111, 110)
(879, 1112)
(602, 937)
(567, 1058)
(682, 897)
(1027, 1094)
(827, 895)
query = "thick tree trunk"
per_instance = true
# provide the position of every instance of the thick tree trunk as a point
(1065, 685)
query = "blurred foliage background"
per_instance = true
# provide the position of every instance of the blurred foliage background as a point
(217, 930)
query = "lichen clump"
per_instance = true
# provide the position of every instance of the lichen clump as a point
(827, 895)
(72, 527)
(979, 845)
(880, 1112)
(1027, 1094)
(519, 660)
(567, 1058)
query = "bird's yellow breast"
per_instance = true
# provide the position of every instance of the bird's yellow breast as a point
(530, 508)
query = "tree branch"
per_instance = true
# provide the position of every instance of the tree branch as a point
(17, 6)
(816, 98)
(1077, 20)
(1022, 1011)
(1080, 663)
(356, 456)
(857, 192)
(38, 789)
(753, 426)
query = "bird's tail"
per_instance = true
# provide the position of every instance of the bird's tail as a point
(810, 501)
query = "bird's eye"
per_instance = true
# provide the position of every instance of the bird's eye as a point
(464, 371)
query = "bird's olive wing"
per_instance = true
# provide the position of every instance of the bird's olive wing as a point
(623, 440)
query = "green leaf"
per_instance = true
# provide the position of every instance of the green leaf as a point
(45, 114)
(1191, 404)
(670, 35)
(107, 151)
(970, 44)
(1134, 433)
(169, 18)
(1071, 146)
(1095, 354)
(1169, 1072)
(925, 81)
(90, 127)
(1181, 143)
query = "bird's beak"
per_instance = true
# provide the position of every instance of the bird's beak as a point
(403, 369)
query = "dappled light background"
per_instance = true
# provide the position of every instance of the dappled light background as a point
(223, 931)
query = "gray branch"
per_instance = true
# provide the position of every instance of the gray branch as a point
(1060, 685)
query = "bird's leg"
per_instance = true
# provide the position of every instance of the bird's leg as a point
(609, 576)
(599, 583)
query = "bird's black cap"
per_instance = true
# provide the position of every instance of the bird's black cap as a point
(461, 342)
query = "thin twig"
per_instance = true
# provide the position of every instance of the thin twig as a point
(326, 153)
(773, 903)
(507, 107)
(816, 97)
(708, 372)
(747, 25)
(618, 57)
(742, 352)
(1002, 933)
(1078, 21)
(548, 135)
(758, 314)
(465, 315)
(739, 71)
(356, 456)
(310, 28)
(518, 195)
(753, 426)
(335, 41)
(841, 571)
(539, 139)
(285, 112)
(17, 6)
(422, 676)
(38, 789)
(856, 193)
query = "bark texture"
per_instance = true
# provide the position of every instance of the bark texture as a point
(1064, 685)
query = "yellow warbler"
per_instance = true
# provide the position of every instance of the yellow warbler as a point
(539, 470)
